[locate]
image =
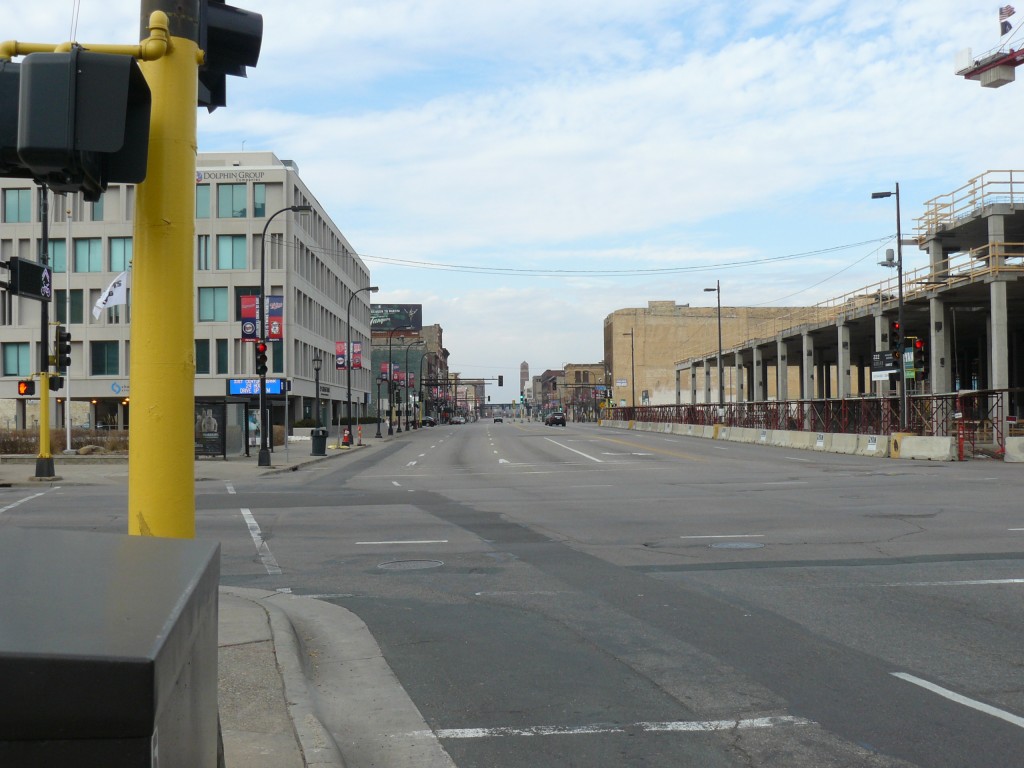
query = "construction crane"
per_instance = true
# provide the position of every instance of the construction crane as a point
(996, 68)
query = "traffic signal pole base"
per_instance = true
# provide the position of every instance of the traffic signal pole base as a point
(44, 467)
(264, 458)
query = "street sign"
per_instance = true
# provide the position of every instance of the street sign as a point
(30, 279)
(243, 387)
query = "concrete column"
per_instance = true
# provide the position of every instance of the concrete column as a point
(937, 260)
(940, 357)
(693, 382)
(843, 362)
(707, 381)
(807, 391)
(740, 385)
(757, 391)
(999, 367)
(781, 370)
(996, 237)
(882, 343)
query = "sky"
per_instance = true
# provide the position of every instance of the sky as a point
(523, 169)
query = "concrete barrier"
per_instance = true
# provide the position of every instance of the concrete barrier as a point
(872, 445)
(924, 447)
(1014, 449)
(764, 437)
(844, 443)
(822, 441)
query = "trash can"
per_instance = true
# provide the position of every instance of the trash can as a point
(319, 438)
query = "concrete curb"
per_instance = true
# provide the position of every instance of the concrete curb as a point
(318, 747)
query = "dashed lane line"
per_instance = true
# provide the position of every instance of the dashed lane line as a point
(262, 549)
(959, 699)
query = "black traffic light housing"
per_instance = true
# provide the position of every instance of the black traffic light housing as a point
(26, 387)
(920, 359)
(896, 337)
(231, 39)
(261, 358)
(61, 348)
(56, 383)
(83, 121)
(501, 380)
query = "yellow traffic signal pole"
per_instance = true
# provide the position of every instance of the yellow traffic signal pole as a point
(161, 453)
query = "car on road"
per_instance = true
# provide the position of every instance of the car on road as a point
(458, 419)
(556, 418)
(499, 420)
(428, 421)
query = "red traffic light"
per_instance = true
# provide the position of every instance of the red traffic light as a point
(918, 344)
(261, 348)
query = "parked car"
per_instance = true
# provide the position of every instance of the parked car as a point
(428, 421)
(458, 419)
(554, 419)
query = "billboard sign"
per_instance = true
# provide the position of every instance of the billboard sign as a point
(387, 317)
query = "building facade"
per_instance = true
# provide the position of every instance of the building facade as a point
(308, 264)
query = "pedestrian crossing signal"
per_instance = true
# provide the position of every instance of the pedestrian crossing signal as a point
(26, 387)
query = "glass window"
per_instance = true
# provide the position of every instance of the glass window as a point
(222, 356)
(231, 252)
(259, 200)
(60, 305)
(231, 201)
(120, 253)
(16, 359)
(202, 356)
(58, 255)
(17, 205)
(103, 360)
(203, 253)
(213, 305)
(97, 210)
(202, 201)
(277, 356)
(88, 255)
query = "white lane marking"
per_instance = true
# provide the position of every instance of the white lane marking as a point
(21, 501)
(424, 541)
(728, 536)
(581, 453)
(503, 461)
(396, 483)
(794, 458)
(787, 482)
(1015, 529)
(411, 464)
(953, 696)
(422, 455)
(970, 583)
(721, 448)
(261, 546)
(231, 488)
(681, 726)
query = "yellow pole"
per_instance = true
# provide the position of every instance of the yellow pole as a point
(161, 464)
(44, 416)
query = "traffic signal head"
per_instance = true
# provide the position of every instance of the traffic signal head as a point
(895, 335)
(56, 383)
(261, 358)
(62, 348)
(231, 39)
(26, 387)
(83, 120)
(501, 381)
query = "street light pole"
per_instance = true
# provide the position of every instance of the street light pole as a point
(264, 454)
(378, 408)
(901, 381)
(348, 354)
(632, 368)
(721, 385)
(405, 404)
(419, 400)
(391, 387)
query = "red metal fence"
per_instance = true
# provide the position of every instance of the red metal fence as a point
(980, 412)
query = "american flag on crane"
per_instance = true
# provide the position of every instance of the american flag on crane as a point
(1004, 13)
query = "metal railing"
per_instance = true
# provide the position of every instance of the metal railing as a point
(991, 187)
(981, 412)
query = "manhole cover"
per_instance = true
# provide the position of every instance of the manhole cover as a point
(410, 565)
(736, 545)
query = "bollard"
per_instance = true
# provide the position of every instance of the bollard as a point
(346, 439)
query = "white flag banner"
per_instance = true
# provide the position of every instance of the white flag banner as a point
(116, 293)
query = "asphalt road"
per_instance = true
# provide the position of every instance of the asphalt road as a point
(590, 597)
